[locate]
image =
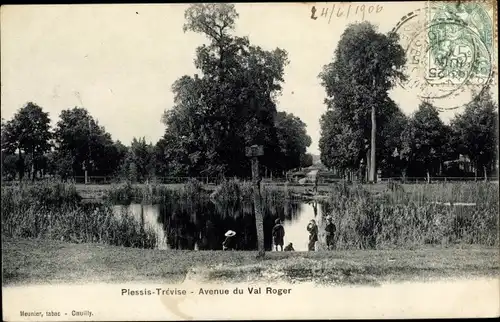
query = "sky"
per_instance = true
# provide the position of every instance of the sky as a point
(120, 61)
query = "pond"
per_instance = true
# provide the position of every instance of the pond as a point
(202, 226)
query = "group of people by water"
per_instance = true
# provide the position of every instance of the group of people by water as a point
(330, 230)
(278, 234)
(312, 228)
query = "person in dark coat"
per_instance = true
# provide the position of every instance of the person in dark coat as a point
(289, 248)
(230, 241)
(278, 234)
(312, 228)
(330, 230)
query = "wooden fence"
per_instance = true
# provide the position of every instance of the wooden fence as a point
(96, 180)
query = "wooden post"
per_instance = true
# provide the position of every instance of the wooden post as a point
(254, 152)
(373, 166)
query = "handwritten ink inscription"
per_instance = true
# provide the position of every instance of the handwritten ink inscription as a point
(345, 11)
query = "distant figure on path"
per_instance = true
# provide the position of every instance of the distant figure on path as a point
(278, 234)
(330, 230)
(230, 242)
(312, 228)
(289, 248)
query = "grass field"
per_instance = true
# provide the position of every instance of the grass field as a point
(45, 262)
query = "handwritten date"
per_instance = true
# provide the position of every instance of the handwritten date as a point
(346, 11)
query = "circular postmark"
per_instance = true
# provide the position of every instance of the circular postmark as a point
(448, 52)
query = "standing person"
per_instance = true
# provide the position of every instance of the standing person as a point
(312, 228)
(278, 234)
(230, 241)
(330, 230)
(316, 181)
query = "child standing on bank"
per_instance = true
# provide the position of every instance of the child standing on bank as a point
(330, 230)
(312, 228)
(278, 234)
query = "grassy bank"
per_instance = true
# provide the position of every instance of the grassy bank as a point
(42, 261)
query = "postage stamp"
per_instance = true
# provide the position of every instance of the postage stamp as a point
(450, 49)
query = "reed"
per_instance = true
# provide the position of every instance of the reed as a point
(464, 192)
(233, 195)
(126, 193)
(233, 190)
(397, 218)
(55, 211)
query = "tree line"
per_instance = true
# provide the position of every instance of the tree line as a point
(215, 116)
(364, 130)
(32, 149)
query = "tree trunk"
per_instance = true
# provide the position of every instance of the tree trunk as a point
(20, 167)
(485, 173)
(373, 167)
(32, 165)
(428, 176)
(259, 218)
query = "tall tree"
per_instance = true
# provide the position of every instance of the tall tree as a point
(139, 164)
(306, 160)
(366, 65)
(476, 132)
(187, 138)
(341, 145)
(120, 152)
(9, 159)
(29, 133)
(230, 107)
(393, 122)
(424, 139)
(3, 134)
(293, 141)
(81, 139)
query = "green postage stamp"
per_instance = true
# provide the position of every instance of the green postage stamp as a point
(461, 43)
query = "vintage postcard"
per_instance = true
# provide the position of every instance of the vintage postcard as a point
(308, 160)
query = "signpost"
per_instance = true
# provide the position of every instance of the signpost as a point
(254, 152)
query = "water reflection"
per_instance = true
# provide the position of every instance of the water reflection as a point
(200, 225)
